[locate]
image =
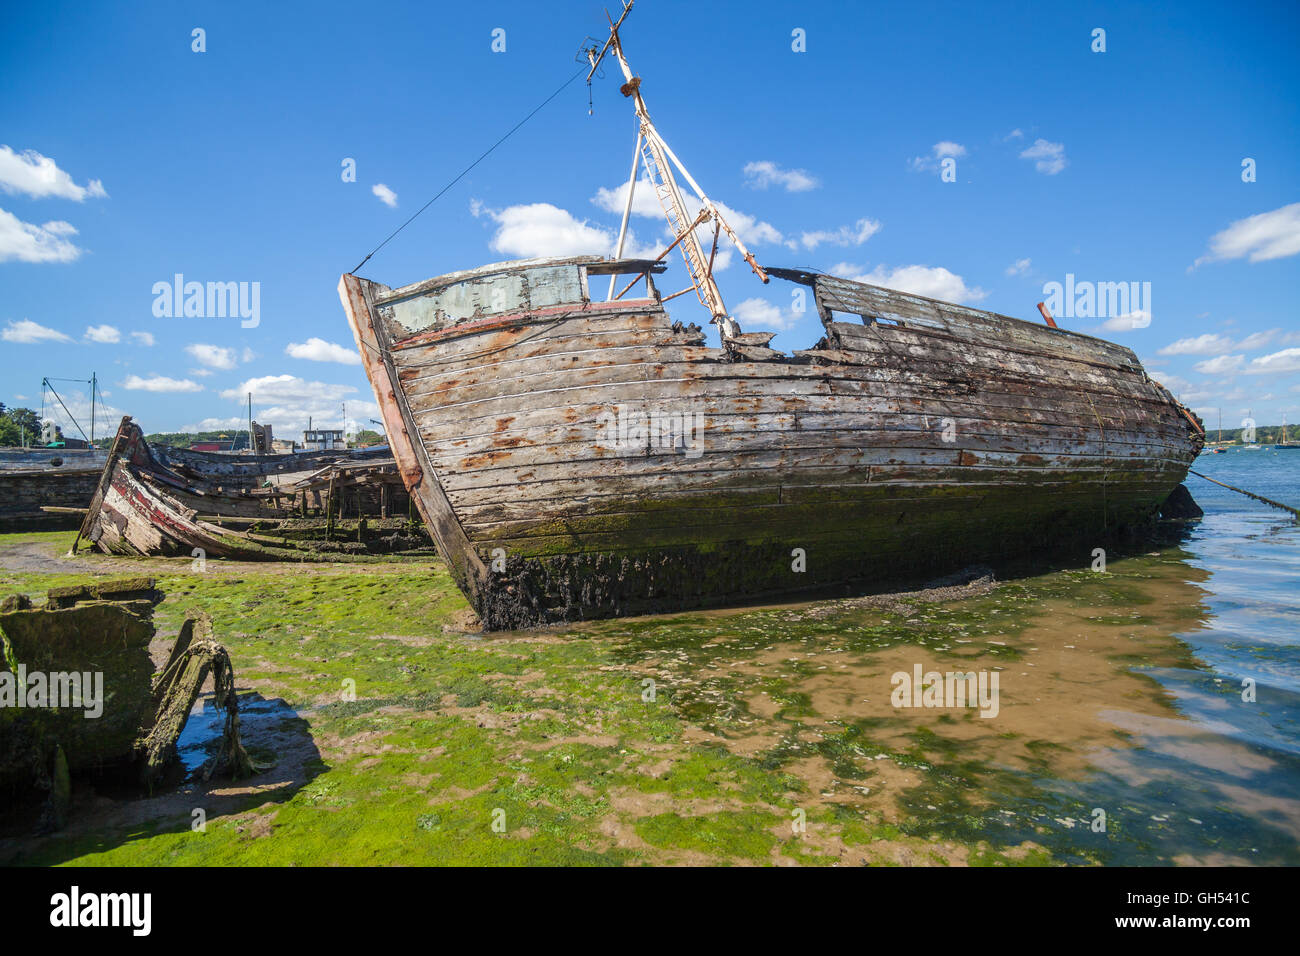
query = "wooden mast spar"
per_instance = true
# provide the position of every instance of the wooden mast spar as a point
(654, 153)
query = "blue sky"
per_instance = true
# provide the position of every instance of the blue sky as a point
(128, 158)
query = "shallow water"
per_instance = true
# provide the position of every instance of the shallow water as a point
(1120, 696)
(203, 732)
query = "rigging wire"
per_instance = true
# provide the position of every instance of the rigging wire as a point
(464, 171)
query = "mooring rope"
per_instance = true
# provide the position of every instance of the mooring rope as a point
(1248, 494)
(461, 174)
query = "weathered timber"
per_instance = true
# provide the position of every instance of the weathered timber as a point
(27, 497)
(81, 664)
(581, 458)
(142, 507)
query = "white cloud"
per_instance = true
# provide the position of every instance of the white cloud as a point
(1221, 365)
(25, 242)
(160, 383)
(540, 229)
(1174, 383)
(288, 388)
(212, 356)
(386, 195)
(759, 315)
(38, 176)
(234, 422)
(613, 200)
(1049, 158)
(1268, 235)
(287, 402)
(1215, 344)
(1139, 319)
(1208, 344)
(934, 282)
(1014, 134)
(854, 235)
(1019, 267)
(142, 338)
(1287, 360)
(318, 350)
(1257, 340)
(752, 231)
(29, 333)
(105, 334)
(946, 149)
(764, 173)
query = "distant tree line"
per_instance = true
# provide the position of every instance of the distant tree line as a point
(185, 439)
(18, 425)
(1264, 434)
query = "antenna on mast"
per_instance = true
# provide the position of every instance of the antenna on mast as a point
(654, 154)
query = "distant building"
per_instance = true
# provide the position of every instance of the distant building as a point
(323, 439)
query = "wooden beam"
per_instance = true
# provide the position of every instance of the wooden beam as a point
(410, 454)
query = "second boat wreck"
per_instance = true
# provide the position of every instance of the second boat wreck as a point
(252, 508)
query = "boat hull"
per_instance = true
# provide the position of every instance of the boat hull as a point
(141, 507)
(578, 459)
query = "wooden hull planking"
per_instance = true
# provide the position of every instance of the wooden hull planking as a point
(581, 459)
(141, 507)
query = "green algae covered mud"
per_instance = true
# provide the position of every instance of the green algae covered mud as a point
(1146, 713)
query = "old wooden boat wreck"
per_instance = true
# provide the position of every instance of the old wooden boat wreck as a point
(141, 506)
(85, 653)
(245, 471)
(582, 458)
(45, 498)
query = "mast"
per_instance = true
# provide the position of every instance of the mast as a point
(660, 161)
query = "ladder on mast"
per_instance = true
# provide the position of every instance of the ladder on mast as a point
(674, 207)
(659, 161)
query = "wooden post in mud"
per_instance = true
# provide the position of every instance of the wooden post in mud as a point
(383, 500)
(329, 511)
